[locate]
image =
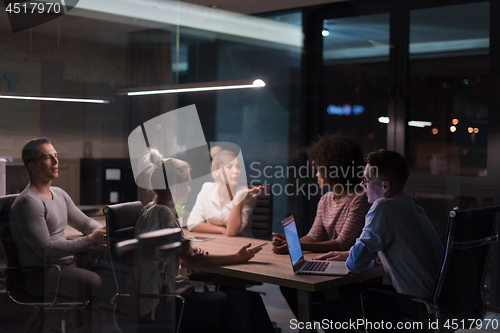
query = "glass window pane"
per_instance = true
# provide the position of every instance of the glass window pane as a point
(356, 78)
(449, 90)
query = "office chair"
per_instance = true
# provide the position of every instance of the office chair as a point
(15, 279)
(120, 223)
(460, 290)
(156, 245)
(262, 215)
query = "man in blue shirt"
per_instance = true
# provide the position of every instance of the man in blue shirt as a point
(396, 230)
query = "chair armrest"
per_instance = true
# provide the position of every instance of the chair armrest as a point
(39, 267)
(183, 300)
(33, 267)
(374, 292)
(113, 299)
(161, 296)
(378, 293)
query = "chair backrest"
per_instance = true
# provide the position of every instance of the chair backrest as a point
(460, 289)
(8, 245)
(262, 216)
(155, 245)
(120, 222)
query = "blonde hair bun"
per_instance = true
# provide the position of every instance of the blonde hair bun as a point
(214, 151)
(154, 156)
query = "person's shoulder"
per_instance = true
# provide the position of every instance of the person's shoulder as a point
(59, 192)
(27, 199)
(208, 186)
(160, 210)
(358, 198)
(327, 197)
(396, 201)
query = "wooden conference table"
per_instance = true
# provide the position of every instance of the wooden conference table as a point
(267, 267)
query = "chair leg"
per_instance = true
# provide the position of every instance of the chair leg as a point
(64, 324)
(35, 321)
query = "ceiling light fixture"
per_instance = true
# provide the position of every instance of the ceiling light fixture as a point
(55, 99)
(193, 87)
(418, 123)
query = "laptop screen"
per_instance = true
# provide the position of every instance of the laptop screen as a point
(292, 238)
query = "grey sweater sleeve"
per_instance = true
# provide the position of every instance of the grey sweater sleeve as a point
(77, 219)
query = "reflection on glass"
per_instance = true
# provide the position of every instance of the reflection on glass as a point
(359, 37)
(449, 88)
(356, 79)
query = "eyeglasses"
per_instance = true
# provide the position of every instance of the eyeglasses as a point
(366, 180)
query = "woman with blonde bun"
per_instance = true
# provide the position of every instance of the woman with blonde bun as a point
(216, 311)
(224, 206)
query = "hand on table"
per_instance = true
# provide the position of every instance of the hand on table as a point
(333, 255)
(244, 254)
(97, 236)
(196, 251)
(279, 243)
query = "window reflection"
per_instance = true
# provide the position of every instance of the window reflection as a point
(356, 78)
(449, 88)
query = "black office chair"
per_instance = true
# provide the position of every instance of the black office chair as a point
(460, 290)
(123, 248)
(120, 223)
(262, 215)
(15, 279)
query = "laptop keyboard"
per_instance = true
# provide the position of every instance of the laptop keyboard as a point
(312, 266)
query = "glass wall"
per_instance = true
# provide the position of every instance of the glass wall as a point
(416, 77)
(356, 78)
(98, 52)
(97, 56)
(449, 90)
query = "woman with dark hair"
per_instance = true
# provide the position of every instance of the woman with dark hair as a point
(217, 311)
(341, 211)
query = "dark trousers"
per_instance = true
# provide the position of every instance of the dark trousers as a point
(218, 311)
(380, 314)
(346, 291)
(75, 284)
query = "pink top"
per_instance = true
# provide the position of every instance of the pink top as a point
(342, 220)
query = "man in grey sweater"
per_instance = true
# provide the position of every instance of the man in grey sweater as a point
(39, 216)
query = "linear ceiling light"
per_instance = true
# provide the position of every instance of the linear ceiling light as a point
(192, 87)
(56, 99)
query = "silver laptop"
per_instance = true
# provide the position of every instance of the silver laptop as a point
(301, 266)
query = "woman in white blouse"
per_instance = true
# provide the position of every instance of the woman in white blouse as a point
(214, 211)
